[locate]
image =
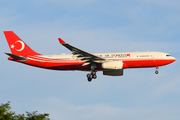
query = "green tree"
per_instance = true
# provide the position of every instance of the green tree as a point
(7, 114)
(35, 116)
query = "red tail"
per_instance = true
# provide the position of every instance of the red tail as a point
(17, 46)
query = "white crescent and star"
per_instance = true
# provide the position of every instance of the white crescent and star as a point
(12, 46)
(22, 43)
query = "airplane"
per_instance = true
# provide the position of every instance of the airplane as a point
(111, 64)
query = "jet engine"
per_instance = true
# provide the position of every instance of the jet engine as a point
(113, 65)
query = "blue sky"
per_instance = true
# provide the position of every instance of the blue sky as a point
(94, 26)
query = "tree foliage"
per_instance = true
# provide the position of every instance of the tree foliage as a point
(7, 114)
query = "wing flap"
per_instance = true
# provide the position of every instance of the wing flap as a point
(86, 64)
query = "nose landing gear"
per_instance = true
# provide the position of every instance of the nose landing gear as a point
(157, 67)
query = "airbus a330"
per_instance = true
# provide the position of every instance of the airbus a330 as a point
(111, 64)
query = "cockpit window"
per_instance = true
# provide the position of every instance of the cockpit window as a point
(168, 55)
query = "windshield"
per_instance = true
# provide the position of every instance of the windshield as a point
(168, 55)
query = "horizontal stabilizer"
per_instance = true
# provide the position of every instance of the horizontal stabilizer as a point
(23, 59)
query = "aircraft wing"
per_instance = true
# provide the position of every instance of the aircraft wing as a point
(84, 56)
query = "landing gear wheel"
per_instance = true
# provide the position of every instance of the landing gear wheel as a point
(88, 75)
(94, 76)
(93, 72)
(156, 72)
(89, 79)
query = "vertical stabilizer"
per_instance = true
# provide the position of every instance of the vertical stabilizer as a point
(17, 46)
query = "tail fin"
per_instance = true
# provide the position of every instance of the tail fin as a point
(17, 46)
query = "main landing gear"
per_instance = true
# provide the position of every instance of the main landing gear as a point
(157, 67)
(92, 75)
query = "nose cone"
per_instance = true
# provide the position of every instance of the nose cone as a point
(173, 59)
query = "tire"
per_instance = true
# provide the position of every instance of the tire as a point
(88, 75)
(89, 79)
(94, 76)
(156, 72)
(93, 72)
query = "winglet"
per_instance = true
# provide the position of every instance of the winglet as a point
(61, 41)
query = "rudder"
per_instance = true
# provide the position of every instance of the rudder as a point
(17, 46)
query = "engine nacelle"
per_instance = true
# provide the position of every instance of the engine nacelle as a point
(113, 65)
(113, 72)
